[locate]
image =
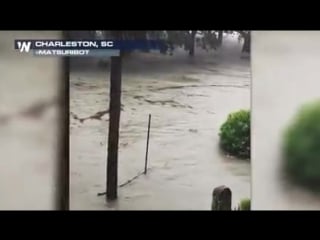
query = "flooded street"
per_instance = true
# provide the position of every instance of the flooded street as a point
(290, 80)
(188, 99)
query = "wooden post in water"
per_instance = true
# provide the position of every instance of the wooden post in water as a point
(147, 148)
(221, 199)
(62, 195)
(114, 122)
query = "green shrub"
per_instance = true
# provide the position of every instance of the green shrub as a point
(235, 134)
(301, 148)
(245, 205)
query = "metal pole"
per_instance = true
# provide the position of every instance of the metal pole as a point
(147, 149)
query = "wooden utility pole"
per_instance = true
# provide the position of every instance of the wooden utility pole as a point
(62, 194)
(114, 123)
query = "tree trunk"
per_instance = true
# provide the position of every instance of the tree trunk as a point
(247, 43)
(192, 43)
(114, 122)
(220, 38)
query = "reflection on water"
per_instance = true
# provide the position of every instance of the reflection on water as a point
(188, 103)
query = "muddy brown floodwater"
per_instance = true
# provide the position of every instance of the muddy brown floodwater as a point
(290, 80)
(28, 125)
(188, 100)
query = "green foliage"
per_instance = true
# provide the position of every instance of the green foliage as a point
(245, 204)
(301, 148)
(235, 134)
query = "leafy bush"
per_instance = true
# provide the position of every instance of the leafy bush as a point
(235, 134)
(245, 204)
(301, 148)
